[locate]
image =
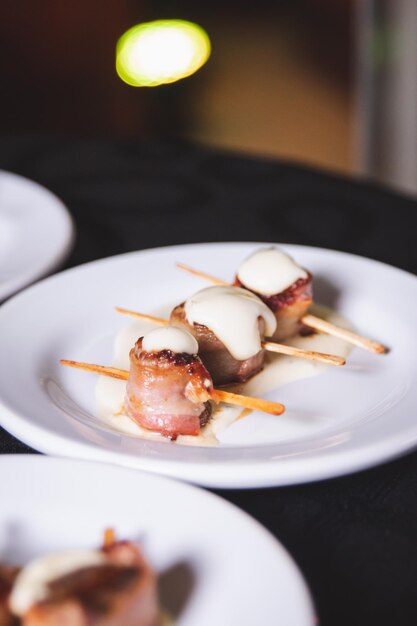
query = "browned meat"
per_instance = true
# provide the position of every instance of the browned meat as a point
(122, 592)
(223, 367)
(289, 306)
(7, 575)
(168, 393)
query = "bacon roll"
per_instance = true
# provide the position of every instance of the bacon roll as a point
(168, 392)
(121, 590)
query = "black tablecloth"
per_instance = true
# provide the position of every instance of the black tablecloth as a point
(355, 538)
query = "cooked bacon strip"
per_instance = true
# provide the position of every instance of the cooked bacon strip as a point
(223, 367)
(289, 306)
(168, 393)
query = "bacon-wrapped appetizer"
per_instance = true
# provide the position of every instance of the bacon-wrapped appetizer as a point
(285, 288)
(105, 587)
(169, 388)
(229, 324)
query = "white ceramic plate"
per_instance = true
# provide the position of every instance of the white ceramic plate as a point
(198, 543)
(341, 421)
(36, 232)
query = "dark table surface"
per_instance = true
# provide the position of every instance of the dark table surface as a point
(354, 538)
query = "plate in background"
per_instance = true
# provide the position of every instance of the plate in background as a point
(341, 421)
(36, 232)
(198, 543)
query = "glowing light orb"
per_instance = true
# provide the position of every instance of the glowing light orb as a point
(160, 52)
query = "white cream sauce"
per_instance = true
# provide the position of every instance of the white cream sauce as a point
(279, 370)
(31, 584)
(269, 272)
(170, 338)
(232, 314)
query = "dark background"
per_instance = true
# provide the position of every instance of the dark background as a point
(279, 80)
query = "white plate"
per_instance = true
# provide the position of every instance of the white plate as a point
(36, 232)
(343, 420)
(198, 543)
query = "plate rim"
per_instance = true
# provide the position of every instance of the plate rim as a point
(32, 274)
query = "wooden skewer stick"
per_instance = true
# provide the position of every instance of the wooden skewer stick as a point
(143, 316)
(274, 408)
(308, 320)
(109, 537)
(209, 277)
(257, 404)
(326, 327)
(111, 372)
(322, 357)
(270, 346)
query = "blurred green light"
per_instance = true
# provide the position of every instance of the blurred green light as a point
(164, 51)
